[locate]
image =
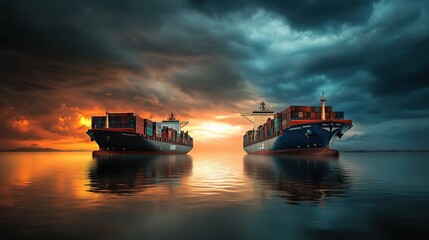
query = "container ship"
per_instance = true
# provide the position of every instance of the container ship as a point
(128, 132)
(296, 130)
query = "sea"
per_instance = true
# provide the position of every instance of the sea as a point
(214, 195)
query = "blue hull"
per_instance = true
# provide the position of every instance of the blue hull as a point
(304, 138)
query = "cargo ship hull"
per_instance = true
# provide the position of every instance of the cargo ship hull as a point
(116, 141)
(309, 138)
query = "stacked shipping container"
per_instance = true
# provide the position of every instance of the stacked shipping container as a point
(308, 113)
(274, 127)
(116, 120)
(171, 135)
(148, 127)
(130, 122)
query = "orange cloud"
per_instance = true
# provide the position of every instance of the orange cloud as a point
(21, 124)
(87, 90)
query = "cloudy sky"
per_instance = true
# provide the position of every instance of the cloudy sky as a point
(209, 60)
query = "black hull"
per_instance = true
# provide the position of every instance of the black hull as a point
(131, 142)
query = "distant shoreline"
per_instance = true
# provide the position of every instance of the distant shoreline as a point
(42, 150)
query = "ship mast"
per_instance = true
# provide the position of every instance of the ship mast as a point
(323, 99)
(262, 106)
(171, 117)
(107, 117)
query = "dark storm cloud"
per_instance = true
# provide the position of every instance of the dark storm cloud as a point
(78, 30)
(217, 73)
(306, 14)
(134, 35)
(375, 69)
(386, 57)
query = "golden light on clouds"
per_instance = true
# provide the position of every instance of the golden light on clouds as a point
(66, 128)
(84, 121)
(21, 124)
(63, 123)
(222, 117)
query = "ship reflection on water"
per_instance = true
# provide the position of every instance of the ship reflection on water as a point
(73, 195)
(298, 178)
(130, 174)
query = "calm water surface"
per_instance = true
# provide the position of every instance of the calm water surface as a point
(214, 196)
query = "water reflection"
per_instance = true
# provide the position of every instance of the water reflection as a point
(129, 174)
(298, 178)
(213, 196)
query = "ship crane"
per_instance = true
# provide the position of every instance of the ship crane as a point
(183, 124)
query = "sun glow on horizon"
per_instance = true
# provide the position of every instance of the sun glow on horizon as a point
(214, 130)
(70, 124)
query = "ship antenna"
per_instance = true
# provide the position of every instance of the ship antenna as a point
(262, 107)
(171, 117)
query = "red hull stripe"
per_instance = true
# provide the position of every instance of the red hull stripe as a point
(109, 153)
(319, 151)
(298, 122)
